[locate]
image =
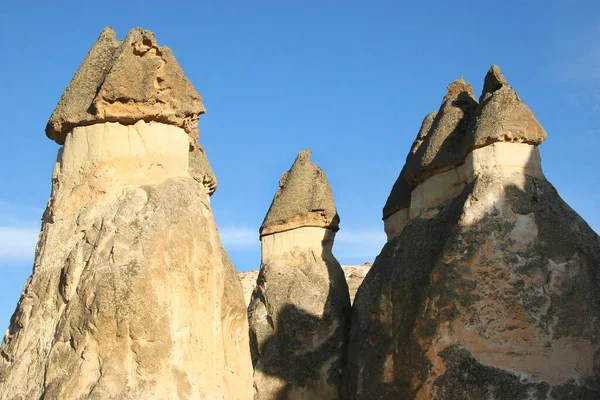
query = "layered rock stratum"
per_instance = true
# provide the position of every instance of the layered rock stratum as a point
(488, 286)
(132, 295)
(300, 309)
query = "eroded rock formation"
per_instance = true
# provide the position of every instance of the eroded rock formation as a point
(488, 285)
(300, 308)
(132, 295)
(354, 275)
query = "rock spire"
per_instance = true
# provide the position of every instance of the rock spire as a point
(488, 288)
(299, 311)
(132, 295)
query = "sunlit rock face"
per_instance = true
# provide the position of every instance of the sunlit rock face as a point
(488, 285)
(300, 308)
(132, 295)
(354, 275)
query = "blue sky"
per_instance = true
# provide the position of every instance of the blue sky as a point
(351, 80)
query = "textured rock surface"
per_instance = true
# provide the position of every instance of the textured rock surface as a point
(441, 148)
(200, 169)
(354, 275)
(303, 199)
(126, 81)
(248, 279)
(491, 291)
(132, 295)
(447, 139)
(299, 311)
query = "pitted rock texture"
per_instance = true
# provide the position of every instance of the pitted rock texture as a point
(490, 291)
(300, 309)
(496, 294)
(303, 199)
(126, 81)
(132, 295)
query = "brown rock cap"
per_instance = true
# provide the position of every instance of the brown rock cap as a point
(303, 199)
(399, 197)
(127, 81)
(501, 116)
(441, 149)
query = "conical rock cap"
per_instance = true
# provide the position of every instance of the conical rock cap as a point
(502, 116)
(440, 151)
(304, 198)
(127, 81)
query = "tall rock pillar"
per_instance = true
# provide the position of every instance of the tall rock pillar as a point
(132, 295)
(489, 285)
(299, 311)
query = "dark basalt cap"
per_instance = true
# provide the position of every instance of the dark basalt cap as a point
(304, 198)
(127, 81)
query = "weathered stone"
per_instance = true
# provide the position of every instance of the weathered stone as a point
(200, 168)
(354, 275)
(132, 295)
(303, 199)
(248, 279)
(299, 311)
(395, 211)
(127, 81)
(441, 148)
(501, 116)
(490, 291)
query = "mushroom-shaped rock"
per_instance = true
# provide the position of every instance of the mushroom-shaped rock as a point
(127, 81)
(303, 199)
(300, 308)
(502, 116)
(132, 295)
(491, 290)
(440, 150)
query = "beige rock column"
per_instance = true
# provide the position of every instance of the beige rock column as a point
(132, 295)
(491, 289)
(300, 309)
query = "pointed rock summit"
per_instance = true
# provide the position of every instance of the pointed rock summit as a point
(300, 309)
(488, 286)
(502, 116)
(303, 199)
(127, 81)
(132, 295)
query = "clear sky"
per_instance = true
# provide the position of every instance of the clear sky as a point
(351, 80)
